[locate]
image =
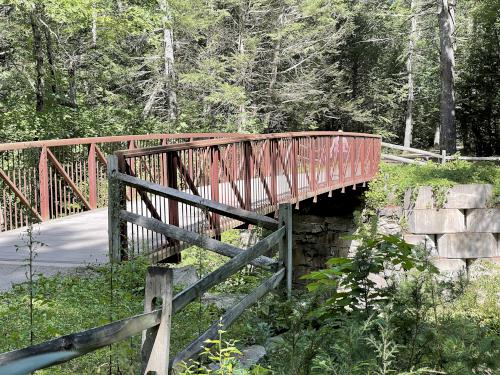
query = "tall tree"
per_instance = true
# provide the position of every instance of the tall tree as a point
(446, 15)
(409, 68)
(35, 14)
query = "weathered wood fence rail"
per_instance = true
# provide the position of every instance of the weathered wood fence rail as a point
(412, 155)
(154, 323)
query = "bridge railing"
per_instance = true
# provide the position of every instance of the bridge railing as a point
(253, 172)
(44, 180)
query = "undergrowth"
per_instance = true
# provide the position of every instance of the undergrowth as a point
(69, 303)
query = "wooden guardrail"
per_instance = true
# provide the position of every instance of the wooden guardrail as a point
(415, 156)
(155, 324)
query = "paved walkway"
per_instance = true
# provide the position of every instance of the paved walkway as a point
(63, 247)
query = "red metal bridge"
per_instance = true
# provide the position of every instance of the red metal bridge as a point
(46, 180)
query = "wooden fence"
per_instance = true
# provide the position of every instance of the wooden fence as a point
(155, 324)
(410, 155)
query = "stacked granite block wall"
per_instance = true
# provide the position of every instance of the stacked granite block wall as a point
(466, 226)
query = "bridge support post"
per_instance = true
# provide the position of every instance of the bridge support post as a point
(92, 168)
(156, 340)
(43, 173)
(285, 245)
(247, 178)
(117, 229)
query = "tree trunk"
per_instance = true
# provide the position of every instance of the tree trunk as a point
(446, 17)
(242, 114)
(168, 60)
(72, 84)
(50, 58)
(94, 28)
(38, 54)
(409, 69)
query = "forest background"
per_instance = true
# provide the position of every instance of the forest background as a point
(75, 68)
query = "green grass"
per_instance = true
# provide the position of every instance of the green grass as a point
(389, 187)
(70, 303)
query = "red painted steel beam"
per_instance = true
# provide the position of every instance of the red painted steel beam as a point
(144, 196)
(194, 189)
(43, 176)
(111, 139)
(92, 180)
(214, 185)
(233, 139)
(101, 156)
(232, 183)
(67, 178)
(19, 194)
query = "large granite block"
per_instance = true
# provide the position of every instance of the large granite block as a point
(450, 266)
(459, 196)
(469, 196)
(435, 221)
(483, 220)
(419, 200)
(426, 241)
(467, 245)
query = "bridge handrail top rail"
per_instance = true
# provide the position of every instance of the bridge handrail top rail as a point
(234, 139)
(107, 139)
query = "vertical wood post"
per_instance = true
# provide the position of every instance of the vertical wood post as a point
(214, 186)
(247, 178)
(173, 205)
(443, 156)
(43, 173)
(92, 169)
(156, 341)
(117, 230)
(285, 245)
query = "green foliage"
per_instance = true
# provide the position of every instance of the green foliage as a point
(419, 323)
(68, 303)
(349, 283)
(223, 357)
(392, 181)
(479, 301)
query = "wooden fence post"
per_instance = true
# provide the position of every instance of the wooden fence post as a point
(156, 340)
(285, 245)
(117, 229)
(443, 156)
